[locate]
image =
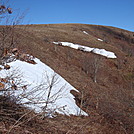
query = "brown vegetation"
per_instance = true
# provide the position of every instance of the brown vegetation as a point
(109, 101)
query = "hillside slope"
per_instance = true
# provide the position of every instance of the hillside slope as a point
(112, 95)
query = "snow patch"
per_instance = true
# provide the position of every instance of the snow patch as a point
(99, 39)
(102, 52)
(41, 81)
(85, 32)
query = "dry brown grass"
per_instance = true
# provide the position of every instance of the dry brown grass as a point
(110, 100)
(13, 121)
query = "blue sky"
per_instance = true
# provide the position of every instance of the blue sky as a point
(118, 13)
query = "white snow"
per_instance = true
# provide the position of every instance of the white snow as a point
(102, 52)
(39, 78)
(85, 32)
(99, 39)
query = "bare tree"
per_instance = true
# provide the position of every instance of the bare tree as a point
(96, 64)
(91, 65)
(8, 30)
(47, 89)
(41, 97)
(3, 33)
(13, 82)
(8, 35)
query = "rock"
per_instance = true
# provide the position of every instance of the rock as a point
(31, 61)
(4, 80)
(6, 67)
(1, 68)
(2, 86)
(14, 50)
(81, 48)
(23, 57)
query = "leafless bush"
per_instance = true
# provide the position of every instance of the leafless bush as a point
(91, 65)
(44, 95)
(8, 31)
(41, 97)
(13, 83)
(8, 36)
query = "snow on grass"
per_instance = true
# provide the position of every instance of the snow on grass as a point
(102, 52)
(45, 88)
(99, 39)
(85, 32)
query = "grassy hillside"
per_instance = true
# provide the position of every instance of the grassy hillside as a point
(109, 101)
